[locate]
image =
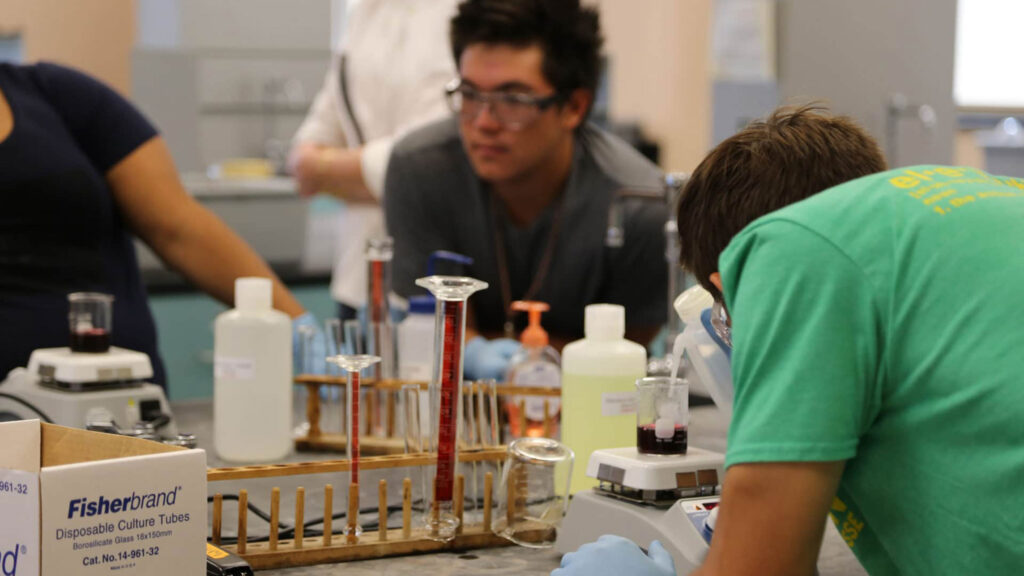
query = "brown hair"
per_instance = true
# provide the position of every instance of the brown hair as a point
(792, 154)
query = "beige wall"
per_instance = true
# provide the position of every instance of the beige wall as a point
(93, 35)
(661, 73)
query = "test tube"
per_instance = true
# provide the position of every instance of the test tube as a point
(303, 365)
(331, 395)
(445, 389)
(353, 363)
(416, 429)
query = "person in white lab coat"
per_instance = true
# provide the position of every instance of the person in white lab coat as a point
(388, 77)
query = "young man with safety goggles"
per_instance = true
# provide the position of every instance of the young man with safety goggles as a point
(519, 181)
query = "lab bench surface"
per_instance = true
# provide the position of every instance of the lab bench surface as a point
(707, 429)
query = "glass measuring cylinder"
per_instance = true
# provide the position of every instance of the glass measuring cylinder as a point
(353, 363)
(662, 415)
(380, 339)
(534, 491)
(90, 321)
(451, 293)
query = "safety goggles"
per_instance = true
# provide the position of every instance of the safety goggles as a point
(513, 110)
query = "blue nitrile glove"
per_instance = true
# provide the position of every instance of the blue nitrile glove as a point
(615, 555)
(306, 331)
(487, 359)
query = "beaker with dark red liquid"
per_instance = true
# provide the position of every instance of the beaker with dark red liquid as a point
(662, 415)
(89, 321)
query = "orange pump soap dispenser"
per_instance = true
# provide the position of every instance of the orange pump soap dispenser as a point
(536, 364)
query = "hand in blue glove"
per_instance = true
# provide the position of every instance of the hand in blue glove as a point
(615, 555)
(486, 359)
(309, 345)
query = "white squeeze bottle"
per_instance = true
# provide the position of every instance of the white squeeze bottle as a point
(416, 340)
(599, 376)
(252, 373)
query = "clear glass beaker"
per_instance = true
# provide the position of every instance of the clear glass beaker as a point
(90, 321)
(534, 491)
(662, 415)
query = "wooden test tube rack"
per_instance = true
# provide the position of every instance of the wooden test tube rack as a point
(409, 539)
(319, 440)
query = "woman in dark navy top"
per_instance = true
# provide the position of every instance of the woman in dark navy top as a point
(81, 170)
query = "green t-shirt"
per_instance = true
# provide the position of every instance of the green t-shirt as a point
(882, 322)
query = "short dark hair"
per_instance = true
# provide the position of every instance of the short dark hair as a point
(568, 34)
(791, 155)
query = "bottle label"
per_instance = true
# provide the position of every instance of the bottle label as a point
(618, 403)
(539, 374)
(414, 372)
(228, 368)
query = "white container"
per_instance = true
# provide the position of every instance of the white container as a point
(599, 375)
(252, 388)
(416, 340)
(94, 504)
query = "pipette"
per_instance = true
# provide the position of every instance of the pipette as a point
(353, 363)
(445, 388)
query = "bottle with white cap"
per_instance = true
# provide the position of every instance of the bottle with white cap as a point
(252, 388)
(599, 375)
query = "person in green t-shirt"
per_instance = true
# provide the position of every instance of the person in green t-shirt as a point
(877, 323)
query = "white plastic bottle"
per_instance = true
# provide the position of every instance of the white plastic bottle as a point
(252, 387)
(416, 340)
(599, 376)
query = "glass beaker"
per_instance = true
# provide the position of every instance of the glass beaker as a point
(89, 321)
(534, 491)
(662, 415)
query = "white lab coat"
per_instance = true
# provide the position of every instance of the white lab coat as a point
(398, 60)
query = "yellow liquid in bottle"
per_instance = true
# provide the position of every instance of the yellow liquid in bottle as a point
(597, 412)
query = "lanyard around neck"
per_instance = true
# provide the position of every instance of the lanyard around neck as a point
(542, 268)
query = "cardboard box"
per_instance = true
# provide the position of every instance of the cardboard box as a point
(78, 502)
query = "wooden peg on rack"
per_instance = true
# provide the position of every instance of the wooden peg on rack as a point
(300, 516)
(406, 508)
(275, 516)
(488, 488)
(549, 422)
(218, 505)
(510, 509)
(353, 513)
(243, 517)
(460, 500)
(313, 410)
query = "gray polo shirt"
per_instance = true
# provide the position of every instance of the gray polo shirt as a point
(434, 201)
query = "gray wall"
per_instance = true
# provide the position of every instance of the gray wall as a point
(856, 53)
(222, 78)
